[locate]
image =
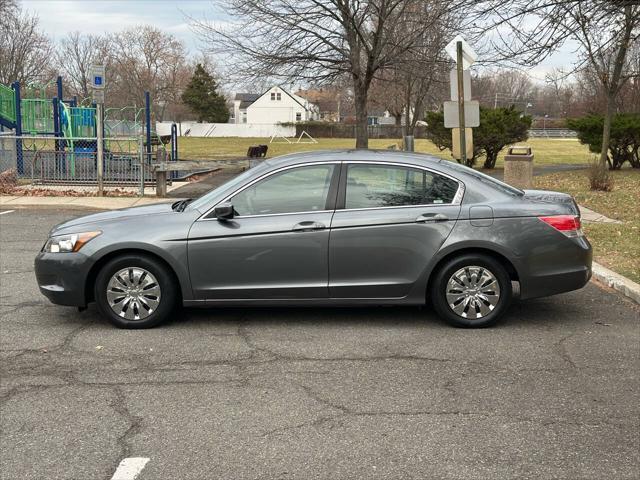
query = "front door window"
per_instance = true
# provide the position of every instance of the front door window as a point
(300, 189)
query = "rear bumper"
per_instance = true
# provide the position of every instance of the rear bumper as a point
(569, 270)
(62, 277)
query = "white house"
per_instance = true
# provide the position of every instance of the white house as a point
(274, 106)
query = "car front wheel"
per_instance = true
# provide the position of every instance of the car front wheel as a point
(135, 292)
(471, 291)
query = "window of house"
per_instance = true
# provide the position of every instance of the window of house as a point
(298, 116)
(300, 189)
(370, 186)
(273, 96)
(278, 96)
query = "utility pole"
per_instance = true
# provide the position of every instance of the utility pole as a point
(100, 149)
(463, 139)
(97, 87)
(461, 112)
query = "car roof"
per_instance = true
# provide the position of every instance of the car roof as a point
(446, 167)
(372, 156)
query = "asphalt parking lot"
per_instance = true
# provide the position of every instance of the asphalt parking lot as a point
(552, 392)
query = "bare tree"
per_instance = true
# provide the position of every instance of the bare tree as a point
(387, 92)
(146, 59)
(504, 87)
(415, 82)
(6, 8)
(75, 55)
(319, 40)
(25, 52)
(604, 30)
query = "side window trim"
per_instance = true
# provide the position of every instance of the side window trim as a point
(332, 194)
(208, 215)
(342, 189)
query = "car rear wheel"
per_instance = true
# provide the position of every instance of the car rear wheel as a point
(471, 291)
(135, 292)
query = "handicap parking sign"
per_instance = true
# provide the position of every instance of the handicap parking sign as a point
(97, 76)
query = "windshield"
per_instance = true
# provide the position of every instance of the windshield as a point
(205, 201)
(504, 187)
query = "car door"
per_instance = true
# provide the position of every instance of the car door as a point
(389, 222)
(276, 245)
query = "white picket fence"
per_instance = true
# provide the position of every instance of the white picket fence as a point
(256, 130)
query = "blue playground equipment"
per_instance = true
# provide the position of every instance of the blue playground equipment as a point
(74, 128)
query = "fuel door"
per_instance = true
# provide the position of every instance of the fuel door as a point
(481, 215)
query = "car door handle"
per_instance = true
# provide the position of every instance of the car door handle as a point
(432, 217)
(309, 226)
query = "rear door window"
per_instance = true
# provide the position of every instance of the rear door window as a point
(377, 186)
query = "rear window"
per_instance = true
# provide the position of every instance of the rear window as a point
(504, 187)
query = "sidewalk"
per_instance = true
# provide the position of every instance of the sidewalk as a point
(589, 216)
(100, 203)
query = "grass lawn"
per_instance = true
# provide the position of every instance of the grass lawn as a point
(546, 151)
(615, 246)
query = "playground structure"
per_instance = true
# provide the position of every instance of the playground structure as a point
(55, 140)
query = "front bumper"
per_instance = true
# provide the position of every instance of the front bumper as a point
(62, 277)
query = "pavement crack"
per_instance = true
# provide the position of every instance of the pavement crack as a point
(245, 335)
(119, 405)
(561, 349)
(19, 306)
(318, 422)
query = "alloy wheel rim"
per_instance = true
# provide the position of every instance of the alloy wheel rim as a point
(133, 293)
(473, 292)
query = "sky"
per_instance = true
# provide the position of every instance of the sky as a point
(59, 17)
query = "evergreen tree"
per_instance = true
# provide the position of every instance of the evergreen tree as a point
(202, 98)
(498, 128)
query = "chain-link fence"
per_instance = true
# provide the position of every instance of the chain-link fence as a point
(51, 160)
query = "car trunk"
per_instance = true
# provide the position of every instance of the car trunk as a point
(566, 204)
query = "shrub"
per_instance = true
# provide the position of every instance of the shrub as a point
(599, 177)
(624, 145)
(498, 128)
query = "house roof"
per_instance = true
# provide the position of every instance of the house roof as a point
(326, 100)
(247, 99)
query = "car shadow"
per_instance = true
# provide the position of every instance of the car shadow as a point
(543, 312)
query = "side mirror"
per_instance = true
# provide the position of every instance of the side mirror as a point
(224, 211)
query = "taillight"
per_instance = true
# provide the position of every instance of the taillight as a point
(567, 224)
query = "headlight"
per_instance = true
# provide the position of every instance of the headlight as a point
(68, 243)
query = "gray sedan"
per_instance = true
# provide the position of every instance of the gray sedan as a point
(325, 228)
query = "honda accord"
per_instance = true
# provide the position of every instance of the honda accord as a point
(355, 227)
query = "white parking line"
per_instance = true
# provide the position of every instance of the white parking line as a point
(129, 468)
(6, 211)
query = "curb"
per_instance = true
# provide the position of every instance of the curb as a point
(628, 288)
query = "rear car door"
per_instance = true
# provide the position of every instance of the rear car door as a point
(390, 220)
(276, 246)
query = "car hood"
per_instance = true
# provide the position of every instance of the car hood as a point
(115, 215)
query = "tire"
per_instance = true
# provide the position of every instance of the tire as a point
(151, 285)
(475, 302)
